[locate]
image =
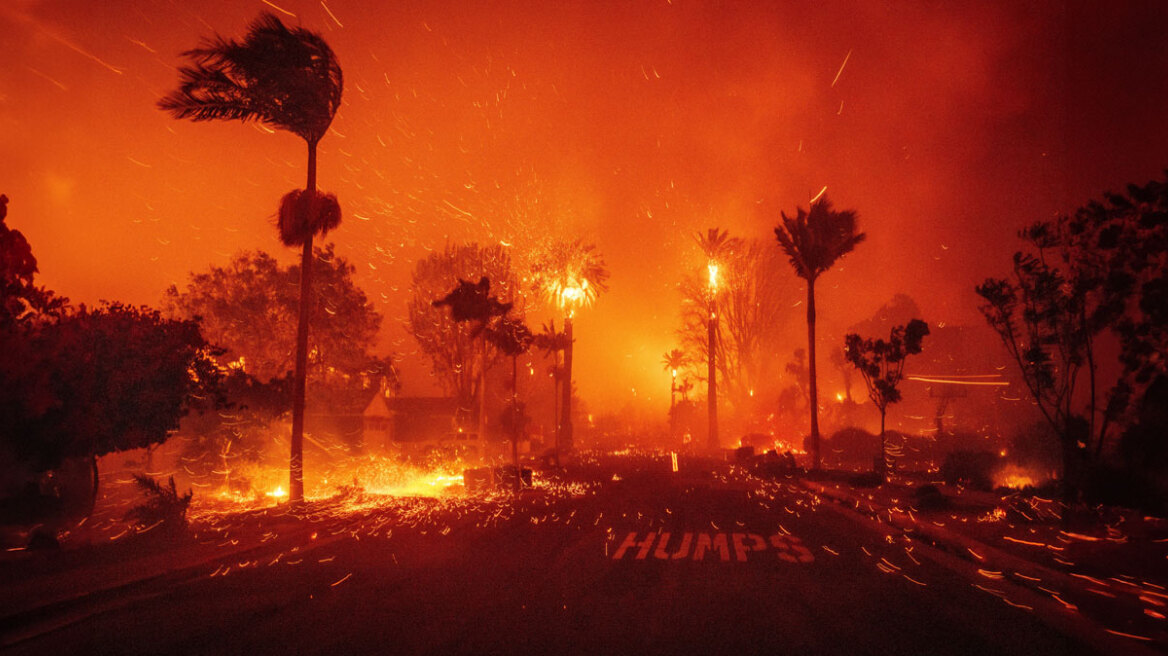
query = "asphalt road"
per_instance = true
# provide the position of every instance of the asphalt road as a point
(766, 569)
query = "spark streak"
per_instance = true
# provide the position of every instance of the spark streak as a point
(841, 68)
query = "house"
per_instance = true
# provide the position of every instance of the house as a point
(416, 426)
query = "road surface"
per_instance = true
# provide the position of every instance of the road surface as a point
(746, 567)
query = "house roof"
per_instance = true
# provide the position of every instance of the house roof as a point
(377, 406)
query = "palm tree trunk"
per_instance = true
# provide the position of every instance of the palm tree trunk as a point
(482, 423)
(296, 464)
(556, 374)
(814, 392)
(883, 448)
(672, 409)
(515, 422)
(566, 393)
(712, 373)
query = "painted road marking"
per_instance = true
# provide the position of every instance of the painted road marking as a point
(719, 546)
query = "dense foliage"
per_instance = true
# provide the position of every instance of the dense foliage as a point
(100, 380)
(1100, 272)
(249, 308)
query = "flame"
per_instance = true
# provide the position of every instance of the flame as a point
(278, 493)
(1016, 478)
(713, 269)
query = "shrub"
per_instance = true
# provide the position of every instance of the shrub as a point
(929, 497)
(164, 506)
(970, 468)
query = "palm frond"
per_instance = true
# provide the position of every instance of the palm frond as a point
(570, 274)
(303, 215)
(286, 77)
(814, 240)
(717, 244)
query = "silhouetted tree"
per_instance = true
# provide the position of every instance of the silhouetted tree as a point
(881, 363)
(451, 345)
(473, 303)
(1099, 270)
(20, 299)
(813, 241)
(97, 381)
(752, 310)
(840, 362)
(554, 343)
(569, 275)
(673, 361)
(717, 245)
(513, 338)
(248, 308)
(798, 369)
(290, 79)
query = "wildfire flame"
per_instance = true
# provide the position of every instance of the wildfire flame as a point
(1016, 478)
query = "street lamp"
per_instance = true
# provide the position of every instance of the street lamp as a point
(712, 345)
(673, 405)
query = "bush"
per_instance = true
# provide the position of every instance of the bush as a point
(1123, 486)
(972, 469)
(164, 506)
(929, 497)
(869, 479)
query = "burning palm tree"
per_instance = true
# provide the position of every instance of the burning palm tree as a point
(717, 245)
(569, 276)
(290, 79)
(813, 241)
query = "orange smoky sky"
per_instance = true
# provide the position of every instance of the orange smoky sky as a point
(631, 124)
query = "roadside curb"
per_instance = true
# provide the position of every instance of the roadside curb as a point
(982, 556)
(942, 536)
(20, 624)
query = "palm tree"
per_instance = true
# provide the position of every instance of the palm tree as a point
(673, 360)
(569, 275)
(813, 241)
(473, 302)
(553, 343)
(717, 245)
(512, 337)
(290, 79)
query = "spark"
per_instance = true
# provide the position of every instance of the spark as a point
(279, 8)
(57, 84)
(951, 381)
(819, 195)
(841, 69)
(143, 44)
(331, 14)
(1129, 635)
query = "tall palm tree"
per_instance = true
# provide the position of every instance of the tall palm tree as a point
(473, 302)
(553, 343)
(673, 360)
(290, 79)
(717, 245)
(813, 241)
(512, 337)
(569, 275)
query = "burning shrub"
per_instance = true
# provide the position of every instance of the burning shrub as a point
(973, 469)
(164, 506)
